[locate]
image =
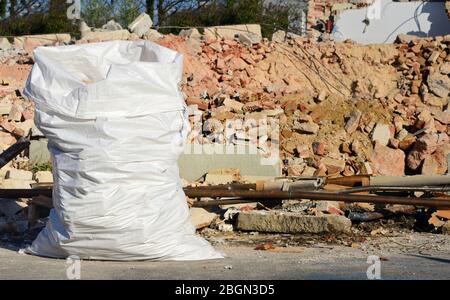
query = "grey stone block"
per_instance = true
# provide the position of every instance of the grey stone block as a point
(288, 222)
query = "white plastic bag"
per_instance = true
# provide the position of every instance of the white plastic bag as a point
(115, 120)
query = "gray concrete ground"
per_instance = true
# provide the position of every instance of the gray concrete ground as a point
(423, 256)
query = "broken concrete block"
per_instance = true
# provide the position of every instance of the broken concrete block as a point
(42, 39)
(402, 134)
(43, 176)
(281, 36)
(5, 44)
(219, 178)
(230, 31)
(16, 184)
(200, 217)
(334, 166)
(153, 35)
(288, 222)
(141, 25)
(222, 176)
(112, 25)
(423, 147)
(224, 227)
(197, 160)
(5, 107)
(38, 152)
(353, 122)
(103, 36)
(446, 228)
(322, 96)
(318, 148)
(434, 56)
(190, 33)
(308, 171)
(28, 114)
(307, 128)
(381, 133)
(445, 68)
(331, 207)
(406, 38)
(7, 126)
(439, 84)
(25, 126)
(249, 39)
(236, 106)
(84, 28)
(436, 163)
(387, 161)
(19, 174)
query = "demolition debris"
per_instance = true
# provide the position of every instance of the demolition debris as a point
(345, 112)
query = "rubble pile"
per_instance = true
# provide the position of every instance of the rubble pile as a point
(341, 108)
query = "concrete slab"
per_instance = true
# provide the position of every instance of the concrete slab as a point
(198, 159)
(288, 222)
(39, 153)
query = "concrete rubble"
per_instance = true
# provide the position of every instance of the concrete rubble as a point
(141, 25)
(286, 222)
(343, 109)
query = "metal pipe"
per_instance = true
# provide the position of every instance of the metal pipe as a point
(24, 193)
(14, 150)
(416, 180)
(355, 180)
(266, 196)
(282, 195)
(396, 188)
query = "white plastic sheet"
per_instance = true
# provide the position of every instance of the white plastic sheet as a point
(116, 124)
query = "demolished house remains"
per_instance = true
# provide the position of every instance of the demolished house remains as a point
(359, 133)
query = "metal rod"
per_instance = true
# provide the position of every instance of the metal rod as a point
(396, 188)
(281, 195)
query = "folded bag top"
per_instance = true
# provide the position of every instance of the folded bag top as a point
(110, 79)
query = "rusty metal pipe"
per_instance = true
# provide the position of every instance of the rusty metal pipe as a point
(266, 196)
(281, 195)
(396, 189)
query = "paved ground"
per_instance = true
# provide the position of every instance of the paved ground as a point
(422, 257)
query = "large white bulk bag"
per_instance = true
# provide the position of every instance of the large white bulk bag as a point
(116, 124)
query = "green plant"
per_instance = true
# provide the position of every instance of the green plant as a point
(42, 167)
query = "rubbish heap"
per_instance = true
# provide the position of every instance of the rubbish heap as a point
(343, 110)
